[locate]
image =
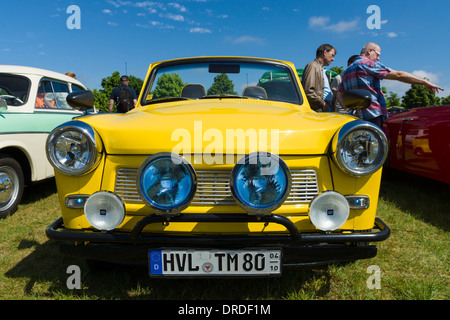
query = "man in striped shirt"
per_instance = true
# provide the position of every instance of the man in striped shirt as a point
(366, 73)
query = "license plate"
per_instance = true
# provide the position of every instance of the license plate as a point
(193, 262)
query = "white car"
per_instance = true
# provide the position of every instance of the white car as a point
(32, 104)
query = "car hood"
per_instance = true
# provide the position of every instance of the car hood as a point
(215, 126)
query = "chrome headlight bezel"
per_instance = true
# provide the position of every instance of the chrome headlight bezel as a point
(91, 157)
(252, 158)
(340, 146)
(179, 161)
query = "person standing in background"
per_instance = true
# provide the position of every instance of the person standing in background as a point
(313, 77)
(366, 73)
(124, 96)
(336, 106)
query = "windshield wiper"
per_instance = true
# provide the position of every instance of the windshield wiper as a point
(166, 99)
(224, 96)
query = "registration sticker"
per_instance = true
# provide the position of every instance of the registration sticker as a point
(243, 262)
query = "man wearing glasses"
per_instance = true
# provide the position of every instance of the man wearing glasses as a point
(366, 73)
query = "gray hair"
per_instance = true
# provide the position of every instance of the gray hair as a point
(367, 47)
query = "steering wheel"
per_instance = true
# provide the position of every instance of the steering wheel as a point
(7, 96)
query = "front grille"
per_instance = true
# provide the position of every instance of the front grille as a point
(126, 186)
(213, 187)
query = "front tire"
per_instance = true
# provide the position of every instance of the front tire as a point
(11, 185)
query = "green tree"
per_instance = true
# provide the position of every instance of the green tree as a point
(445, 100)
(418, 96)
(168, 85)
(222, 85)
(101, 100)
(338, 70)
(136, 83)
(392, 100)
(108, 84)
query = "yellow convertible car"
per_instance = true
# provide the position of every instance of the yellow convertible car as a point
(222, 169)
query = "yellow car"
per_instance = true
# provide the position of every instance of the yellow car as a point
(222, 169)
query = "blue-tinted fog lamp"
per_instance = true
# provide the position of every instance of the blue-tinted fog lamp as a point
(167, 183)
(260, 183)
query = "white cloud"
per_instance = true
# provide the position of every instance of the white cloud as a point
(246, 39)
(178, 6)
(174, 17)
(212, 14)
(151, 6)
(392, 35)
(322, 22)
(396, 86)
(140, 25)
(155, 24)
(112, 24)
(115, 4)
(106, 11)
(200, 30)
(424, 74)
(318, 22)
(344, 26)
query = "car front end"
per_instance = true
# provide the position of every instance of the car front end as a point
(221, 184)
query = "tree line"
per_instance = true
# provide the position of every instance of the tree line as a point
(168, 85)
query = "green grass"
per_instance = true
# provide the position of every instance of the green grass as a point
(414, 261)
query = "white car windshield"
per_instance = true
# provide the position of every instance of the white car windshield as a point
(230, 79)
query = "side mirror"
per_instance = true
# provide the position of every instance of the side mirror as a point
(3, 105)
(81, 100)
(357, 99)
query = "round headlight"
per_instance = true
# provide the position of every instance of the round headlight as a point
(361, 148)
(72, 148)
(260, 182)
(329, 211)
(167, 182)
(104, 210)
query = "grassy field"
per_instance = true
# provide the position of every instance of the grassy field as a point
(413, 262)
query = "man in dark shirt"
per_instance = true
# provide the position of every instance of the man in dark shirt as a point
(124, 96)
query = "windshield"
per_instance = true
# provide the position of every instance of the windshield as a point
(262, 81)
(14, 89)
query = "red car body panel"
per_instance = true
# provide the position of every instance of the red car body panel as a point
(420, 142)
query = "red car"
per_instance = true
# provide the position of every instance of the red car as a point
(420, 142)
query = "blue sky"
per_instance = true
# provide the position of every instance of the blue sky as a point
(118, 35)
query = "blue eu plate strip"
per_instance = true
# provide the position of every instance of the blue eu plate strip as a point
(155, 262)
